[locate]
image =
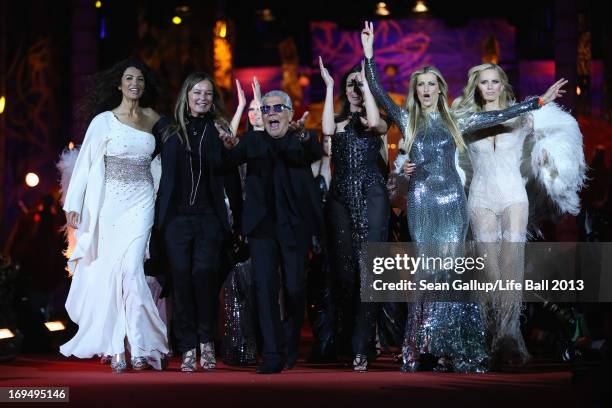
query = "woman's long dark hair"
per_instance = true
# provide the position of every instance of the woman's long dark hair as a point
(345, 111)
(104, 93)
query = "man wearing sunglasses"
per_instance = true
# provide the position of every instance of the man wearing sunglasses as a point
(279, 217)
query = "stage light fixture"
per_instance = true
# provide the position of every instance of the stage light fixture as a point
(381, 9)
(420, 7)
(177, 20)
(2, 103)
(32, 179)
(6, 334)
(98, 4)
(55, 326)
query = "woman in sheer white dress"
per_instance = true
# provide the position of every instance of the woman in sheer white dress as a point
(498, 203)
(110, 202)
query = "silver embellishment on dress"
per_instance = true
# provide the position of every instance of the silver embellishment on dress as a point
(128, 170)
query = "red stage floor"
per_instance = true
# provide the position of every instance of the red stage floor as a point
(93, 384)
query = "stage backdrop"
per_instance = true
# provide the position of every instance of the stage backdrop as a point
(401, 46)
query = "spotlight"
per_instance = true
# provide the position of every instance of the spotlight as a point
(221, 28)
(98, 4)
(420, 7)
(177, 20)
(303, 80)
(55, 326)
(266, 15)
(2, 103)
(381, 9)
(32, 180)
(578, 90)
(6, 334)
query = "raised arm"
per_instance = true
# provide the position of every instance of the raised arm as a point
(235, 123)
(328, 124)
(375, 123)
(470, 122)
(395, 112)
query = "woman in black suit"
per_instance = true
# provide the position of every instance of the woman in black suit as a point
(191, 214)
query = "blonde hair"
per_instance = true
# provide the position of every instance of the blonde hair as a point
(471, 100)
(415, 112)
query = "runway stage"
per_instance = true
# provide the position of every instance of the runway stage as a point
(93, 384)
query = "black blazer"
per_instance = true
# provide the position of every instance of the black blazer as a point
(297, 155)
(220, 176)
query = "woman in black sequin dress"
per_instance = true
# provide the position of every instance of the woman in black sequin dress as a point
(358, 206)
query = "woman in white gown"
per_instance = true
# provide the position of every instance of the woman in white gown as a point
(498, 204)
(110, 201)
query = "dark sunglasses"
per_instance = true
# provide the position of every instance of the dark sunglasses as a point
(278, 108)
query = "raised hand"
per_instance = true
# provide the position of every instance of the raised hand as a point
(226, 136)
(367, 39)
(256, 90)
(555, 91)
(298, 126)
(241, 97)
(329, 81)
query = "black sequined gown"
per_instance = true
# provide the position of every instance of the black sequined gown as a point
(437, 213)
(358, 208)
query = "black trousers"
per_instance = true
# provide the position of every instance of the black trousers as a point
(355, 320)
(193, 245)
(267, 255)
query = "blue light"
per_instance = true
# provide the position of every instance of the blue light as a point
(102, 28)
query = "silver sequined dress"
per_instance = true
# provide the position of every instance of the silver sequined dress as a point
(437, 212)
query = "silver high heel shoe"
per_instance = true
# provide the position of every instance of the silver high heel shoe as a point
(118, 363)
(410, 361)
(140, 363)
(188, 363)
(207, 356)
(360, 363)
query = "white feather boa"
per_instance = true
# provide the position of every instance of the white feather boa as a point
(65, 166)
(557, 157)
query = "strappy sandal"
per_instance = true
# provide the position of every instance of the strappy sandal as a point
(207, 356)
(188, 363)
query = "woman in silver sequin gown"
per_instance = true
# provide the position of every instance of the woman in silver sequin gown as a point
(358, 206)
(453, 332)
(110, 201)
